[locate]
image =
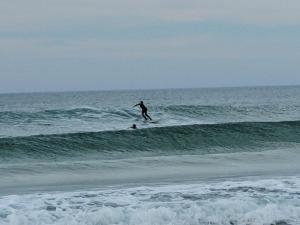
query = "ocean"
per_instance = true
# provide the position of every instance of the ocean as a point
(216, 156)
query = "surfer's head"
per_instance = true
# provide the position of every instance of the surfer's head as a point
(141, 102)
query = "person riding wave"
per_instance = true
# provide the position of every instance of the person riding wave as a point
(144, 110)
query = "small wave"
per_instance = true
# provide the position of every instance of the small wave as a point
(15, 117)
(45, 114)
(230, 110)
(200, 139)
(277, 203)
(169, 111)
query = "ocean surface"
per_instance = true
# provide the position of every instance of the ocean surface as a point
(216, 156)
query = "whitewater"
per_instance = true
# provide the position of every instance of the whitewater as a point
(217, 156)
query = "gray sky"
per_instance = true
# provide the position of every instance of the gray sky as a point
(61, 45)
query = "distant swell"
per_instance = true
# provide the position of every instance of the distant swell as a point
(79, 113)
(202, 139)
(184, 111)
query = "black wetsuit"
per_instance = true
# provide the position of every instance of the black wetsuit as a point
(144, 111)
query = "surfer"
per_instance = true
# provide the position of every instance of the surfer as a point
(133, 126)
(144, 110)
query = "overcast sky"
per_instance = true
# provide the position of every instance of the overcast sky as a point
(60, 45)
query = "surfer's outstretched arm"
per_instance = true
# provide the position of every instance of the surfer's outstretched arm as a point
(136, 105)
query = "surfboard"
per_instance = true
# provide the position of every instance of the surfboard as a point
(152, 121)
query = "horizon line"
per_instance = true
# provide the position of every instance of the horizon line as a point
(145, 89)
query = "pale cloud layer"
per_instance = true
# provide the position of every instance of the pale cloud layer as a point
(17, 14)
(115, 43)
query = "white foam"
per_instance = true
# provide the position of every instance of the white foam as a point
(237, 202)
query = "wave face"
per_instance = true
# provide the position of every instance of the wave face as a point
(57, 149)
(189, 139)
(77, 113)
(127, 113)
(74, 112)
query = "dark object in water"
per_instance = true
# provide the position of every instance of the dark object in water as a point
(133, 126)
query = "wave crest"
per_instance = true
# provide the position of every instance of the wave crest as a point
(200, 139)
